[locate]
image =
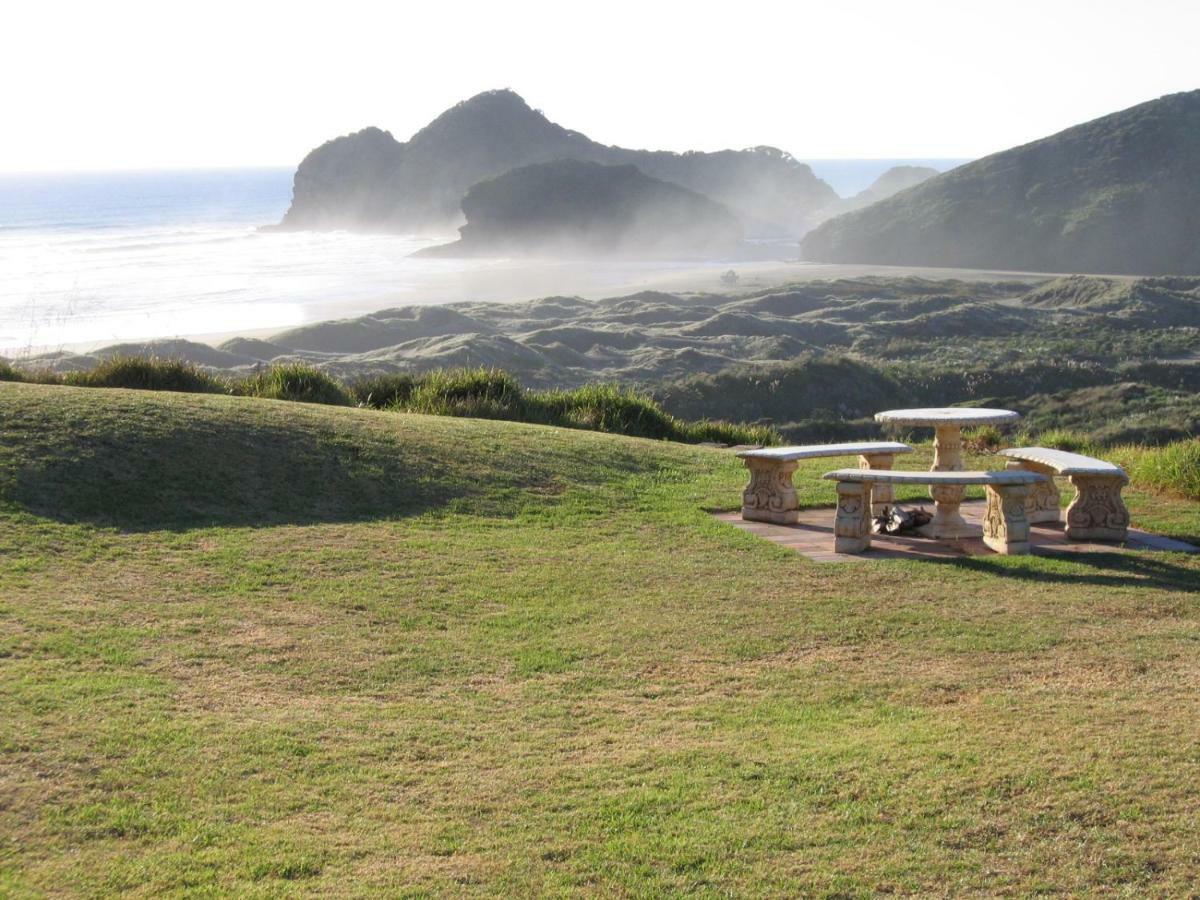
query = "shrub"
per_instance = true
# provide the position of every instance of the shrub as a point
(605, 407)
(1071, 441)
(383, 391)
(147, 374)
(294, 381)
(1173, 469)
(477, 393)
(984, 439)
(705, 431)
(618, 410)
(8, 373)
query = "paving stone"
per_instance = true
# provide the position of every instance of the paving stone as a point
(812, 536)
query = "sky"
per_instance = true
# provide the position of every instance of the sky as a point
(130, 85)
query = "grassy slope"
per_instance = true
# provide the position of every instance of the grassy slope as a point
(267, 648)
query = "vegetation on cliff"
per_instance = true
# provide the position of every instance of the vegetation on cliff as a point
(1120, 194)
(371, 181)
(571, 208)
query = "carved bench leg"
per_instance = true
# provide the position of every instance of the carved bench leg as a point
(1044, 503)
(1005, 527)
(770, 496)
(882, 496)
(852, 527)
(1098, 512)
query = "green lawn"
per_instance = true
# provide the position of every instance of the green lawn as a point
(268, 648)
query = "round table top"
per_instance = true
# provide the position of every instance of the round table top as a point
(948, 415)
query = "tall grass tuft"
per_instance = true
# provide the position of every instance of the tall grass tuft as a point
(1060, 439)
(294, 381)
(605, 407)
(706, 431)
(477, 393)
(495, 394)
(1173, 469)
(383, 391)
(147, 374)
(984, 439)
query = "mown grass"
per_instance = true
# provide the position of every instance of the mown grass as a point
(265, 649)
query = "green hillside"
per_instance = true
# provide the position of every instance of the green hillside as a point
(263, 648)
(1117, 195)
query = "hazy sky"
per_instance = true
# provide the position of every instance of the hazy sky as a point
(94, 85)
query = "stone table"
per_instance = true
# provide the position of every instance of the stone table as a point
(948, 423)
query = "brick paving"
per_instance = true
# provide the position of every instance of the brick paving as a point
(813, 536)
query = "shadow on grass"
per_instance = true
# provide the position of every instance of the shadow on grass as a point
(202, 474)
(1106, 569)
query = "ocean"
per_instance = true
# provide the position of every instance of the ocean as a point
(97, 258)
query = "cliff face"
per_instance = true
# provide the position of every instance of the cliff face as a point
(344, 181)
(1119, 195)
(570, 207)
(369, 181)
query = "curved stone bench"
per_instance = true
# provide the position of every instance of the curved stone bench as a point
(770, 496)
(1005, 526)
(1096, 513)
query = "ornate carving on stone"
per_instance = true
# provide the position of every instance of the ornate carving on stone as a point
(882, 495)
(770, 496)
(852, 526)
(947, 457)
(947, 447)
(1097, 512)
(1005, 525)
(1044, 502)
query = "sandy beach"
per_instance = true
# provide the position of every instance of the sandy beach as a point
(513, 281)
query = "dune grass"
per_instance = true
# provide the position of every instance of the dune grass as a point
(493, 394)
(278, 649)
(475, 393)
(293, 381)
(146, 374)
(1173, 470)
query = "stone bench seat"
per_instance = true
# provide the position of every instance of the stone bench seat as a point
(1097, 511)
(771, 497)
(1005, 526)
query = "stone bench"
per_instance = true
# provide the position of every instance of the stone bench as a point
(770, 496)
(1005, 526)
(1096, 513)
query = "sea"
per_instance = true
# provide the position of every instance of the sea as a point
(95, 258)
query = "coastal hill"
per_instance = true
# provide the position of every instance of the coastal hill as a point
(369, 181)
(1117, 195)
(893, 181)
(584, 208)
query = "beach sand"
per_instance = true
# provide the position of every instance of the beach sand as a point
(527, 280)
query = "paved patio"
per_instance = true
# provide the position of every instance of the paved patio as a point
(813, 536)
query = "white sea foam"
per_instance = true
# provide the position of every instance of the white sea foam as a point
(99, 259)
(63, 288)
